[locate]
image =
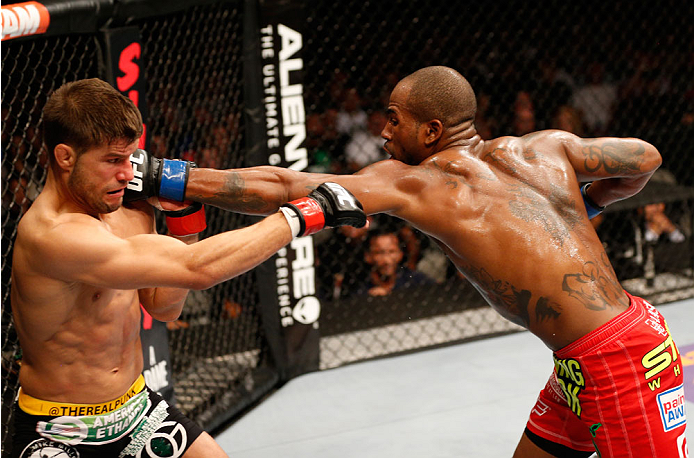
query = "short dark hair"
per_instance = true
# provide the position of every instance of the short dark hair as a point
(88, 113)
(441, 93)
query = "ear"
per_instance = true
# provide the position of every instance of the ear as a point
(433, 132)
(65, 156)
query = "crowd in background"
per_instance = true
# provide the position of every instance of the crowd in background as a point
(648, 97)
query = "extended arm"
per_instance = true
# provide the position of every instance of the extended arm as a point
(383, 187)
(80, 252)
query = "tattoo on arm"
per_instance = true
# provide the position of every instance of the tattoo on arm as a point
(234, 196)
(615, 158)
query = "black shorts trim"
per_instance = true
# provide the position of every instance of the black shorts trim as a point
(558, 450)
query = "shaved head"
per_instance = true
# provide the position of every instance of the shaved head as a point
(440, 93)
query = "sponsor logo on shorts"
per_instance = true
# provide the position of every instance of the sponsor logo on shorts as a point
(659, 359)
(570, 378)
(41, 448)
(96, 429)
(170, 441)
(541, 408)
(672, 409)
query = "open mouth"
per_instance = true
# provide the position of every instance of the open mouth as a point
(117, 192)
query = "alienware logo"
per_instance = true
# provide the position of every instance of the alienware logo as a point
(307, 310)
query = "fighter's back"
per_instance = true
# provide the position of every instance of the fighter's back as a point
(511, 218)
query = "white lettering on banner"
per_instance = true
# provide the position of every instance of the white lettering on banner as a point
(25, 19)
(270, 90)
(293, 111)
(155, 376)
(307, 308)
(283, 298)
(284, 96)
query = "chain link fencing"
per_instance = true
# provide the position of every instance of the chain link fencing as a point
(614, 68)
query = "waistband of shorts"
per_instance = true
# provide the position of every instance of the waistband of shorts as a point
(607, 332)
(34, 406)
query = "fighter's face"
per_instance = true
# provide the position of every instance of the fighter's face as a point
(100, 175)
(402, 131)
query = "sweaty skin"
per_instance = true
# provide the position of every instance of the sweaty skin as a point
(83, 264)
(508, 212)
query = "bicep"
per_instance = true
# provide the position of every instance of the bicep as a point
(383, 187)
(99, 258)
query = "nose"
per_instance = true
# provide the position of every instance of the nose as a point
(385, 133)
(126, 172)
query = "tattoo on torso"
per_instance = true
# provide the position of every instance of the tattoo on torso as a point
(516, 302)
(595, 286)
(531, 206)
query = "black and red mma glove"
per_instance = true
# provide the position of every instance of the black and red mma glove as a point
(329, 205)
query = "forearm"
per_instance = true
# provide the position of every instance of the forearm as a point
(253, 191)
(610, 190)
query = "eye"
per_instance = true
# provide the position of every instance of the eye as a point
(393, 121)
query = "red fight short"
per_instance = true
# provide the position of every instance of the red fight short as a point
(617, 391)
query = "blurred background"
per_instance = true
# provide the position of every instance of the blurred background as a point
(617, 68)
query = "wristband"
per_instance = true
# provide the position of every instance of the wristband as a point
(293, 220)
(311, 216)
(174, 177)
(190, 220)
(592, 208)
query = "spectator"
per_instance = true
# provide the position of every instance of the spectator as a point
(487, 126)
(552, 90)
(569, 119)
(351, 116)
(366, 146)
(341, 260)
(523, 121)
(323, 140)
(384, 255)
(658, 224)
(595, 100)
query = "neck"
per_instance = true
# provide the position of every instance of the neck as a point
(56, 185)
(463, 135)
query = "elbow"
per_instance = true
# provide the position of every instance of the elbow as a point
(652, 159)
(203, 277)
(201, 282)
(655, 159)
(169, 315)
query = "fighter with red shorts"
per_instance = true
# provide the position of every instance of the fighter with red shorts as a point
(626, 372)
